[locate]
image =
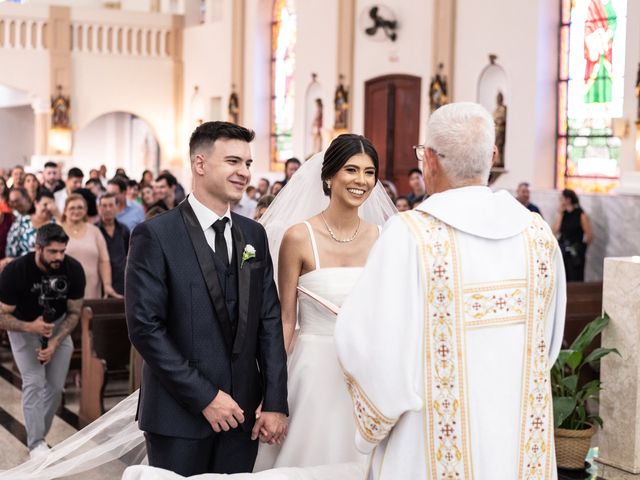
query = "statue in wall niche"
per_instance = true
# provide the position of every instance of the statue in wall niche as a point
(438, 90)
(500, 121)
(638, 94)
(60, 110)
(234, 106)
(341, 106)
(316, 127)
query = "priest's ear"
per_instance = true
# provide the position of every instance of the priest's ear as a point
(431, 162)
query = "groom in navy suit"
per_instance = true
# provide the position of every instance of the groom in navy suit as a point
(203, 311)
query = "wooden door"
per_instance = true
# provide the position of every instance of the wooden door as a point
(392, 123)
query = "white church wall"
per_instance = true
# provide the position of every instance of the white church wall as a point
(143, 86)
(529, 58)
(16, 136)
(410, 54)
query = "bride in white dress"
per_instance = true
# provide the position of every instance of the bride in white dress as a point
(320, 229)
(320, 260)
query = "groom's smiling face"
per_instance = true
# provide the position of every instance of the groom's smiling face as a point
(225, 169)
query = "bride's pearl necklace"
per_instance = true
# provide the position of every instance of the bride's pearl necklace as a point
(347, 240)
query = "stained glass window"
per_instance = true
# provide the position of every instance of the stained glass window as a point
(283, 42)
(590, 93)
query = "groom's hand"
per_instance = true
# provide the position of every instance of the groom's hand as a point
(271, 427)
(223, 413)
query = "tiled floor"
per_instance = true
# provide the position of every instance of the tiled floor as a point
(13, 450)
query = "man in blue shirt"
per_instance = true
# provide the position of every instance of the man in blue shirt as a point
(129, 213)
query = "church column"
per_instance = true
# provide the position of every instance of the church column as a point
(619, 448)
(41, 115)
(444, 29)
(174, 157)
(237, 54)
(59, 41)
(345, 53)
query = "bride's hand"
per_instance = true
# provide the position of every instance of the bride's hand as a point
(259, 411)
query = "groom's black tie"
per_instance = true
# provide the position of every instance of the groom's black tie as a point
(220, 242)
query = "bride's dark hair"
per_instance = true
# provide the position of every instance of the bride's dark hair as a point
(342, 148)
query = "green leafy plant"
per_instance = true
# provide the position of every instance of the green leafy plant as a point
(569, 398)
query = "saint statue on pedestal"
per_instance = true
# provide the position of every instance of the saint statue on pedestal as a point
(316, 127)
(234, 106)
(341, 106)
(60, 110)
(438, 90)
(500, 120)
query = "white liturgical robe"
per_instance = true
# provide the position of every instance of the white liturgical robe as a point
(447, 340)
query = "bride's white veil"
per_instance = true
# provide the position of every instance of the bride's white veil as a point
(303, 197)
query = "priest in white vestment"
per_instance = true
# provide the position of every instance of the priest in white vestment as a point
(448, 338)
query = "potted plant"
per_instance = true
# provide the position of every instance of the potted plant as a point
(573, 421)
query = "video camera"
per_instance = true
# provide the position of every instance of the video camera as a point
(52, 288)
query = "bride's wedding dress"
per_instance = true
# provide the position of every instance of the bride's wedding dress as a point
(321, 422)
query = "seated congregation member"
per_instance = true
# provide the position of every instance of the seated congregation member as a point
(391, 189)
(117, 237)
(4, 197)
(73, 182)
(17, 177)
(51, 177)
(262, 206)
(32, 186)
(146, 196)
(263, 187)
(87, 245)
(523, 195)
(46, 278)
(416, 183)
(19, 201)
(276, 187)
(95, 186)
(129, 213)
(133, 191)
(291, 166)
(147, 178)
(21, 238)
(574, 232)
(246, 206)
(403, 204)
(164, 191)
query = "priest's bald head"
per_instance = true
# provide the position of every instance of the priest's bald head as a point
(459, 148)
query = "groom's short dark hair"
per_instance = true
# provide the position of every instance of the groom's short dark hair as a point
(206, 134)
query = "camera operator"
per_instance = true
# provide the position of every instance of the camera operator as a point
(40, 302)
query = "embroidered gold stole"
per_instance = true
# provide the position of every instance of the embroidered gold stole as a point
(451, 309)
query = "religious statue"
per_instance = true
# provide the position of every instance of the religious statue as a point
(234, 106)
(316, 127)
(638, 94)
(438, 90)
(341, 106)
(60, 110)
(500, 121)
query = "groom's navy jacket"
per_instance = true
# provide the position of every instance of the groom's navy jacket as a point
(200, 329)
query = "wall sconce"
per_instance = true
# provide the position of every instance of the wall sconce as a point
(60, 141)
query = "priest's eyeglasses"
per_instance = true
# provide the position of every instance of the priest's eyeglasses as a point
(420, 149)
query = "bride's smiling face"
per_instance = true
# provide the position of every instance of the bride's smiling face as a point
(354, 181)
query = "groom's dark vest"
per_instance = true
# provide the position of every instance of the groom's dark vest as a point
(228, 278)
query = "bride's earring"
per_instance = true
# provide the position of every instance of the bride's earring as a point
(329, 184)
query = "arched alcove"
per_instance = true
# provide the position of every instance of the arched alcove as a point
(493, 94)
(117, 139)
(17, 127)
(313, 118)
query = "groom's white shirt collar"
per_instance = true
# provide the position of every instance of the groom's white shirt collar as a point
(479, 211)
(205, 216)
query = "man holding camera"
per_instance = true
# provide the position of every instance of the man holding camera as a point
(40, 303)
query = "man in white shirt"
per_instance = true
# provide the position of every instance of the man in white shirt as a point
(73, 182)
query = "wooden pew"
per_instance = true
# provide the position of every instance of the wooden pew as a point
(105, 353)
(584, 303)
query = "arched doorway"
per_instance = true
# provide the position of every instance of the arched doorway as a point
(17, 127)
(117, 140)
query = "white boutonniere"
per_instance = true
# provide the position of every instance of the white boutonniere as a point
(248, 253)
